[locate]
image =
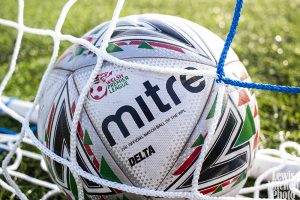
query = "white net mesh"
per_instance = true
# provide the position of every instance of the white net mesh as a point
(283, 163)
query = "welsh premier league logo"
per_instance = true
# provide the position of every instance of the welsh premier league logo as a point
(107, 83)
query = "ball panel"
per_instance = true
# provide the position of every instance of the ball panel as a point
(165, 127)
(91, 153)
(144, 32)
(227, 158)
(54, 82)
(213, 42)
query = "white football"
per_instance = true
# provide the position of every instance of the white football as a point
(147, 129)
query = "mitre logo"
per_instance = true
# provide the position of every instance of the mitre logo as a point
(194, 84)
(107, 83)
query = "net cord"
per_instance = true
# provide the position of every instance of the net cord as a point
(220, 68)
(103, 55)
(6, 144)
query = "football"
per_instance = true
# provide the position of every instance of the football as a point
(145, 128)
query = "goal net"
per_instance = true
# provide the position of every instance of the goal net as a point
(267, 167)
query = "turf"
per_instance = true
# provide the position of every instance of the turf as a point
(267, 42)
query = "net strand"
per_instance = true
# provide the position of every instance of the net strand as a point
(229, 39)
(211, 130)
(51, 193)
(15, 165)
(220, 68)
(12, 68)
(76, 170)
(84, 91)
(287, 145)
(25, 123)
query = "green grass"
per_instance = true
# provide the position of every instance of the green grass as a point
(267, 41)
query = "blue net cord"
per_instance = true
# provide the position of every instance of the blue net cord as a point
(220, 67)
(230, 36)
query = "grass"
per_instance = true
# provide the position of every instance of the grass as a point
(267, 42)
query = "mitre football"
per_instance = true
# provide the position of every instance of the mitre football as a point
(144, 128)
